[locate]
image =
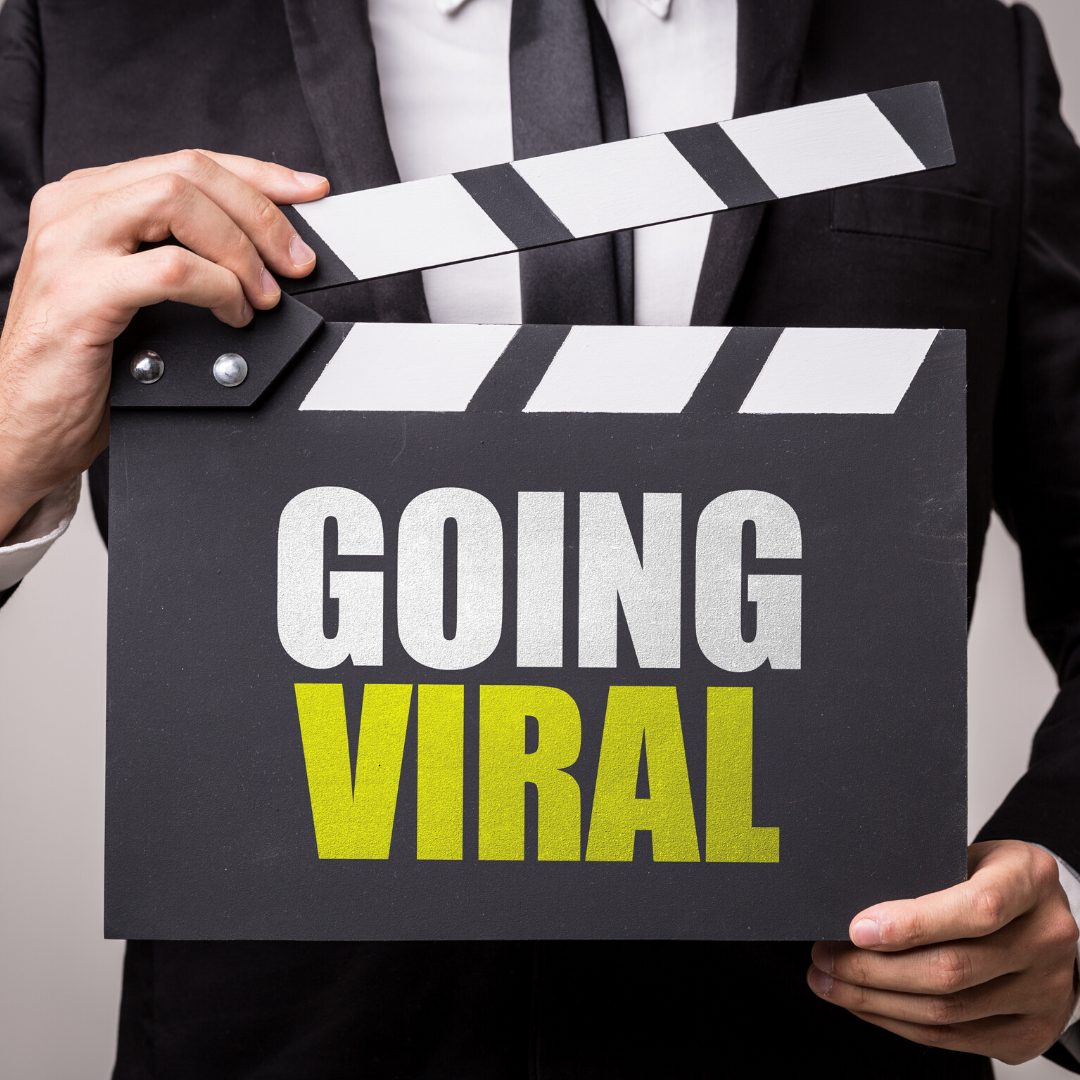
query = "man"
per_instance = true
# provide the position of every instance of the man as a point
(987, 968)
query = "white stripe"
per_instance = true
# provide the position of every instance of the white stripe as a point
(627, 369)
(824, 145)
(618, 185)
(408, 367)
(423, 223)
(838, 371)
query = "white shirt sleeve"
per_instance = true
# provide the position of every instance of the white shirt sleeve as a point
(1070, 882)
(40, 527)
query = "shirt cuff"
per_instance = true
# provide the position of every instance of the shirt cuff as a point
(38, 529)
(1070, 882)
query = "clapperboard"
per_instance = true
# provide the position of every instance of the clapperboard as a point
(484, 631)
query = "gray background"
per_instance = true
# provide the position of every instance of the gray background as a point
(59, 979)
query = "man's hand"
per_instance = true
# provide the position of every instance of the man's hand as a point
(987, 966)
(82, 277)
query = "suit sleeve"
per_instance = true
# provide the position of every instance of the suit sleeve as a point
(21, 171)
(1037, 455)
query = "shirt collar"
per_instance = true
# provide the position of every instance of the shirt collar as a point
(659, 8)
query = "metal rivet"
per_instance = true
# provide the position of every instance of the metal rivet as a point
(230, 369)
(147, 366)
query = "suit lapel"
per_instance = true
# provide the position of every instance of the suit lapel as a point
(335, 59)
(771, 40)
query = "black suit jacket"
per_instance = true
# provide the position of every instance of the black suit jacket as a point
(991, 245)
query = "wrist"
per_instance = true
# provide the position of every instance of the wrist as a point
(46, 519)
(12, 512)
(30, 470)
(51, 426)
(19, 493)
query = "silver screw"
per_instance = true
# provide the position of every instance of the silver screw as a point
(230, 369)
(147, 366)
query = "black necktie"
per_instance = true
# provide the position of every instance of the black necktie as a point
(566, 91)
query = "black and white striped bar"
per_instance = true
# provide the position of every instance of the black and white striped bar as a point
(460, 367)
(619, 185)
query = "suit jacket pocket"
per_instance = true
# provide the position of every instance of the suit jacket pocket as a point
(910, 213)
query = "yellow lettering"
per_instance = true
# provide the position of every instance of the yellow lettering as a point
(353, 821)
(642, 717)
(505, 769)
(730, 835)
(440, 752)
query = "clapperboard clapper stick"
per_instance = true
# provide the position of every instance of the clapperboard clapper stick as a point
(619, 185)
(539, 201)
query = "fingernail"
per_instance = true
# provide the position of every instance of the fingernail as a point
(299, 252)
(866, 932)
(267, 283)
(246, 313)
(310, 179)
(820, 983)
(823, 957)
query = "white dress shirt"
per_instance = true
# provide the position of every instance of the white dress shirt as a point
(444, 76)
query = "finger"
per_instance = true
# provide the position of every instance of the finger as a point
(970, 1037)
(239, 194)
(1007, 995)
(1010, 1039)
(174, 273)
(248, 190)
(1005, 884)
(165, 205)
(942, 968)
(277, 182)
(273, 180)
